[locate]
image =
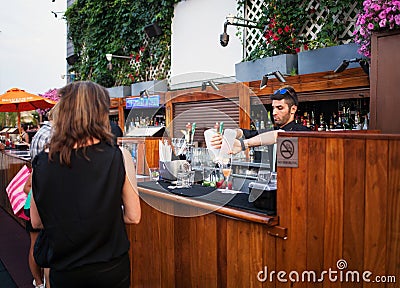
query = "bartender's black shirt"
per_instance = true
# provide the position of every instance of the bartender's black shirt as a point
(291, 126)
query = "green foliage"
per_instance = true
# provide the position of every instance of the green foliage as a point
(8, 119)
(98, 27)
(284, 19)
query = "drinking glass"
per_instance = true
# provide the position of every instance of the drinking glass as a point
(226, 171)
(154, 174)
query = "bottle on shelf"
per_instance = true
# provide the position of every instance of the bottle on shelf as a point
(269, 125)
(313, 126)
(365, 125)
(357, 121)
(339, 122)
(322, 124)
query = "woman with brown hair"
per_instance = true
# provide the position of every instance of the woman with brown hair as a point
(84, 193)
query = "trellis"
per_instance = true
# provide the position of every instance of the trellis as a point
(159, 71)
(253, 10)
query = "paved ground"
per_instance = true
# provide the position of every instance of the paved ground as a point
(14, 247)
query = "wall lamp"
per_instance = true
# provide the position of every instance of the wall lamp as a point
(153, 30)
(363, 63)
(71, 76)
(144, 94)
(110, 56)
(209, 83)
(55, 13)
(236, 21)
(278, 75)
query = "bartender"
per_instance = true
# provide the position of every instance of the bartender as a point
(284, 108)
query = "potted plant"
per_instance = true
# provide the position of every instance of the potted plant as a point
(280, 43)
(316, 34)
(376, 16)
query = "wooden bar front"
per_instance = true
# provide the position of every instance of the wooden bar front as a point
(340, 207)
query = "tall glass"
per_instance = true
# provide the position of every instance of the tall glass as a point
(226, 171)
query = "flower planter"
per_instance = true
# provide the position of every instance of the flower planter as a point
(255, 70)
(152, 87)
(119, 91)
(327, 59)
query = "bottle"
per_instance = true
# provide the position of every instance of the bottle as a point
(312, 126)
(322, 124)
(357, 122)
(251, 154)
(365, 125)
(269, 125)
(339, 124)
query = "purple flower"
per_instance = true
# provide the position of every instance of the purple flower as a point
(382, 23)
(382, 15)
(367, 3)
(397, 19)
(370, 26)
(376, 7)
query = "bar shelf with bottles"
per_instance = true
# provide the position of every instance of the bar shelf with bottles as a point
(144, 117)
(328, 115)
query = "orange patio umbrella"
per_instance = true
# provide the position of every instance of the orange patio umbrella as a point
(17, 100)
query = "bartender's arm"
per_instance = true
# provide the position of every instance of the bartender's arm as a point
(266, 138)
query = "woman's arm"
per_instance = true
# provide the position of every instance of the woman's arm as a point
(35, 218)
(28, 185)
(130, 193)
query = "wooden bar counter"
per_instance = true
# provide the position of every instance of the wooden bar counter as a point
(338, 220)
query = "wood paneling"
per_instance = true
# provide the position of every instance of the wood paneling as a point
(205, 114)
(333, 228)
(354, 203)
(316, 206)
(393, 213)
(376, 187)
(385, 70)
(147, 153)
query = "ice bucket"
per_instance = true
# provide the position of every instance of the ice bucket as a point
(169, 169)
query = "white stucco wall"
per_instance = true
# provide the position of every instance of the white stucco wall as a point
(196, 51)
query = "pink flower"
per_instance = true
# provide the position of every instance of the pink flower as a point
(397, 19)
(377, 15)
(376, 7)
(280, 30)
(382, 15)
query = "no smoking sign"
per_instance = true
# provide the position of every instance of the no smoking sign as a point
(287, 152)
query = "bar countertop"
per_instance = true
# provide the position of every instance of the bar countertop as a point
(230, 204)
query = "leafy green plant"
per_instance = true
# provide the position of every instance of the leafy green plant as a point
(284, 20)
(98, 27)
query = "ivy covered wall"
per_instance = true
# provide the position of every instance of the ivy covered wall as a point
(98, 27)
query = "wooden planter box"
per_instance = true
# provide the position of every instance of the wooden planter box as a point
(255, 70)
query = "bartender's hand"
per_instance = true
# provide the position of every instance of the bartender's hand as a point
(237, 147)
(2, 146)
(216, 141)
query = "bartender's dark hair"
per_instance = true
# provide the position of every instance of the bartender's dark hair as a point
(288, 93)
(82, 116)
